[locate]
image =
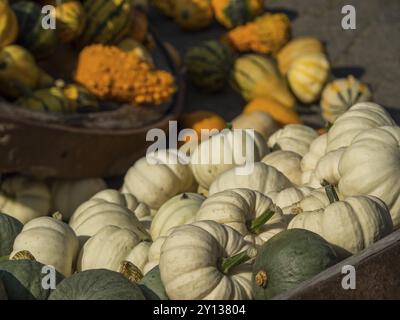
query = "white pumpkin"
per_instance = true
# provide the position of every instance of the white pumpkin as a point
(371, 166)
(177, 211)
(293, 137)
(287, 162)
(108, 207)
(257, 120)
(200, 261)
(289, 196)
(67, 195)
(249, 212)
(262, 178)
(224, 151)
(24, 198)
(350, 225)
(51, 242)
(360, 117)
(327, 169)
(111, 246)
(310, 160)
(154, 253)
(158, 177)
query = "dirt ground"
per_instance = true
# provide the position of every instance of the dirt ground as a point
(371, 52)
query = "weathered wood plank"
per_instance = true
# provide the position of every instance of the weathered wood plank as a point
(377, 276)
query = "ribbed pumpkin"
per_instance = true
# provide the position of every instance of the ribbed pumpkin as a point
(232, 13)
(209, 65)
(288, 259)
(8, 24)
(307, 76)
(277, 111)
(107, 21)
(296, 48)
(38, 40)
(9, 229)
(340, 95)
(97, 285)
(255, 76)
(22, 280)
(50, 100)
(193, 14)
(18, 71)
(71, 20)
(80, 99)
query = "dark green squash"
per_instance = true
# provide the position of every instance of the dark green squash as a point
(39, 41)
(288, 259)
(209, 65)
(152, 286)
(3, 293)
(22, 279)
(97, 284)
(9, 229)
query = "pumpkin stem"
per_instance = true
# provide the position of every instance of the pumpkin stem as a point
(58, 216)
(330, 192)
(231, 262)
(262, 279)
(184, 196)
(23, 255)
(255, 225)
(130, 271)
(229, 126)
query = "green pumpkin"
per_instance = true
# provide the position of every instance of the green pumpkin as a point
(107, 21)
(9, 229)
(152, 286)
(22, 279)
(209, 65)
(50, 100)
(288, 259)
(99, 284)
(39, 41)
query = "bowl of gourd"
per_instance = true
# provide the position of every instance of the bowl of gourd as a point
(77, 101)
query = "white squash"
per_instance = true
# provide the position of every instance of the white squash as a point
(249, 212)
(310, 160)
(24, 198)
(67, 195)
(111, 246)
(350, 225)
(109, 207)
(177, 211)
(371, 166)
(224, 151)
(263, 178)
(289, 196)
(51, 242)
(327, 169)
(257, 120)
(155, 183)
(287, 162)
(293, 137)
(154, 253)
(360, 117)
(203, 261)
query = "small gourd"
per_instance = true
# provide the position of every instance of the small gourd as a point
(193, 14)
(70, 19)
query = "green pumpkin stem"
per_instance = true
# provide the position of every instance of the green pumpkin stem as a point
(330, 192)
(236, 260)
(255, 225)
(229, 126)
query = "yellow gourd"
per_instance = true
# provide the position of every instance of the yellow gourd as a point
(18, 71)
(71, 20)
(193, 14)
(8, 24)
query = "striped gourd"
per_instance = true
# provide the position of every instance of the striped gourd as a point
(71, 20)
(108, 21)
(233, 13)
(340, 95)
(50, 100)
(39, 41)
(307, 76)
(256, 76)
(209, 65)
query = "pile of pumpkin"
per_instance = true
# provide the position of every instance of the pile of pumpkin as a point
(101, 32)
(201, 230)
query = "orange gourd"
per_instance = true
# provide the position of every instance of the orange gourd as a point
(199, 120)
